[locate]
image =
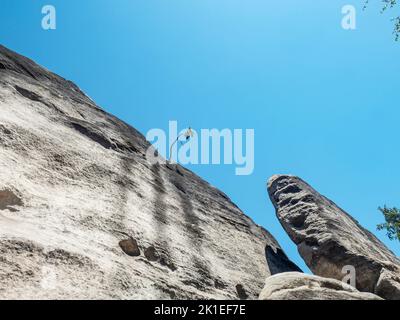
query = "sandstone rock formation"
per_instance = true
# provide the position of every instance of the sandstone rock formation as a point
(329, 239)
(300, 286)
(83, 214)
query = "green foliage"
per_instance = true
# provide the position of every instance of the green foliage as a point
(397, 28)
(392, 224)
(390, 4)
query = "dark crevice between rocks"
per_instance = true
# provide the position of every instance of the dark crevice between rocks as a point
(278, 262)
(241, 292)
(9, 200)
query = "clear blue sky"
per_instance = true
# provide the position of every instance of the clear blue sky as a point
(324, 102)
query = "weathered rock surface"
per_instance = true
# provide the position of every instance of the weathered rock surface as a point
(83, 214)
(329, 239)
(300, 286)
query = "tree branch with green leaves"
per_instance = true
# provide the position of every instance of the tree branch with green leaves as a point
(387, 5)
(392, 224)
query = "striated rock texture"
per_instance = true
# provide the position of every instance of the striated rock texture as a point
(329, 239)
(84, 215)
(300, 286)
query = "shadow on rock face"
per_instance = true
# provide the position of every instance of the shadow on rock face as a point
(163, 255)
(241, 292)
(192, 223)
(28, 94)
(151, 254)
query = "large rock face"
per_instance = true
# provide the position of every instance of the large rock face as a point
(83, 214)
(329, 239)
(300, 286)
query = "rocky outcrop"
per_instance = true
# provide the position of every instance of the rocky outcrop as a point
(83, 214)
(300, 286)
(329, 239)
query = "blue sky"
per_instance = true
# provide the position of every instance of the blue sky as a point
(324, 102)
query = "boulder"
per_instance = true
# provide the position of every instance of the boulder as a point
(300, 286)
(80, 206)
(332, 242)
